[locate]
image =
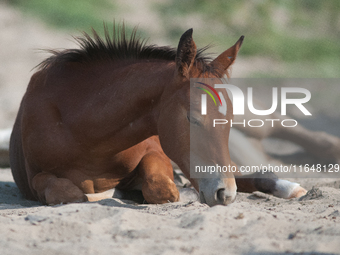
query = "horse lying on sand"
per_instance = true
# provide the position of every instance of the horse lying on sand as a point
(112, 114)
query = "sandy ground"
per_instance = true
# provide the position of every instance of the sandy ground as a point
(253, 224)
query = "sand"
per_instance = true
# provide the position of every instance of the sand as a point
(254, 224)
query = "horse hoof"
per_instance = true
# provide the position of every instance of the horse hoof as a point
(188, 195)
(298, 192)
(286, 189)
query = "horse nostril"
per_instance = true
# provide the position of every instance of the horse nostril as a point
(223, 198)
(220, 195)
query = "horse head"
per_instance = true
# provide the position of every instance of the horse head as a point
(186, 134)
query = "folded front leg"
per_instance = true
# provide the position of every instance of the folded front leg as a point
(158, 186)
(52, 190)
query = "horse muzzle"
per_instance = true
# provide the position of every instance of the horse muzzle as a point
(216, 192)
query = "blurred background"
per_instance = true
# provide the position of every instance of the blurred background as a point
(282, 38)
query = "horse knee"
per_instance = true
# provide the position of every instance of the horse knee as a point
(159, 190)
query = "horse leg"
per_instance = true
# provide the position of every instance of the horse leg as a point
(251, 156)
(269, 183)
(158, 185)
(52, 190)
(100, 196)
(319, 144)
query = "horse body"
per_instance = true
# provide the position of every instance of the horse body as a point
(97, 128)
(93, 119)
(90, 122)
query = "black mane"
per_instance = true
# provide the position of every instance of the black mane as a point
(117, 47)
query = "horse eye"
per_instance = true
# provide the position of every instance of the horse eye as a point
(193, 121)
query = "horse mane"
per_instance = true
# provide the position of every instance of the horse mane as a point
(118, 47)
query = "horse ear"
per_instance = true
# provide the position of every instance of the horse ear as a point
(186, 53)
(227, 58)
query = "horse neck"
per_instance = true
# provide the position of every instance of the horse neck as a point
(142, 85)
